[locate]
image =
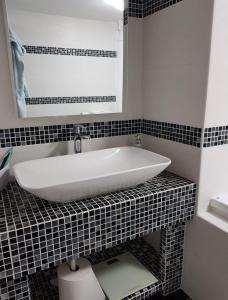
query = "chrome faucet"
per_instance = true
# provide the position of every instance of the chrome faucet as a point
(78, 135)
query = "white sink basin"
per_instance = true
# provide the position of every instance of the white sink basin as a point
(79, 176)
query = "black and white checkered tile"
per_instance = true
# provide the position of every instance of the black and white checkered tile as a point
(17, 289)
(144, 8)
(36, 235)
(165, 265)
(172, 243)
(69, 100)
(215, 136)
(174, 132)
(59, 133)
(153, 6)
(136, 8)
(69, 51)
(177, 295)
(126, 15)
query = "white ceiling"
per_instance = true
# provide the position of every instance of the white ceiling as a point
(86, 9)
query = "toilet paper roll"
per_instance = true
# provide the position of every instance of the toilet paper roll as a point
(79, 285)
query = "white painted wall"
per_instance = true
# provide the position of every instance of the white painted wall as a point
(185, 159)
(206, 262)
(217, 93)
(24, 153)
(176, 48)
(176, 44)
(175, 62)
(206, 253)
(70, 76)
(206, 247)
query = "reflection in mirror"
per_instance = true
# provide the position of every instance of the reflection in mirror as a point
(67, 56)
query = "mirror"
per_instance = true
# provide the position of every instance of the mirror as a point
(67, 56)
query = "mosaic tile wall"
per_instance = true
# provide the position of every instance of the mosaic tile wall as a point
(193, 136)
(174, 132)
(136, 8)
(59, 133)
(153, 6)
(15, 289)
(144, 8)
(215, 136)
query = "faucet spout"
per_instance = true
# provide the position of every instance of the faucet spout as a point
(77, 144)
(78, 134)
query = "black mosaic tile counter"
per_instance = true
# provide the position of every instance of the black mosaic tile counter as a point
(37, 235)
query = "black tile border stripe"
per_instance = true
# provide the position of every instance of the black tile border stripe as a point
(30, 49)
(135, 8)
(215, 136)
(59, 133)
(144, 8)
(152, 6)
(174, 132)
(188, 135)
(69, 100)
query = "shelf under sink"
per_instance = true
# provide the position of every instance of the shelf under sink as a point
(42, 289)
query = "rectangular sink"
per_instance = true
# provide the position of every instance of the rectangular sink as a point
(79, 176)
